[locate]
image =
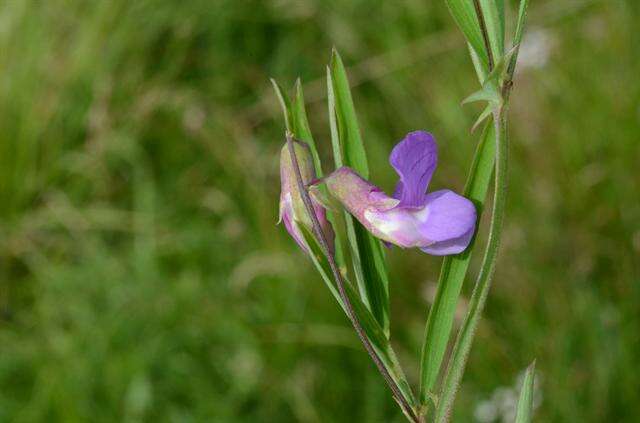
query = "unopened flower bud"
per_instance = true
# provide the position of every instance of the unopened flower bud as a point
(293, 212)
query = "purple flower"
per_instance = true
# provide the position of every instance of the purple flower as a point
(292, 209)
(439, 223)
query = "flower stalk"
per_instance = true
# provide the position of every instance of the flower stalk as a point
(320, 236)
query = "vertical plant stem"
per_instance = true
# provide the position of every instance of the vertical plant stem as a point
(397, 393)
(465, 336)
(464, 339)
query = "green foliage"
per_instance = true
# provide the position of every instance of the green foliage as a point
(517, 36)
(366, 251)
(465, 16)
(493, 14)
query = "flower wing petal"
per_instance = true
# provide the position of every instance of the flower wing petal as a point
(451, 246)
(449, 216)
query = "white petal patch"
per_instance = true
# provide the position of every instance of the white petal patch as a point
(399, 226)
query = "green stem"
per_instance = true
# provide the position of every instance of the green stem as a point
(464, 339)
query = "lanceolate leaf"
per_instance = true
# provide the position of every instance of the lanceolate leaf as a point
(501, 18)
(300, 125)
(464, 14)
(525, 402)
(285, 104)
(454, 269)
(493, 14)
(366, 251)
(481, 69)
(517, 38)
(352, 148)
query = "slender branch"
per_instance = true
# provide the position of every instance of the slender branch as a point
(485, 33)
(395, 389)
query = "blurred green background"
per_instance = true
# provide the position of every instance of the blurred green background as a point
(143, 278)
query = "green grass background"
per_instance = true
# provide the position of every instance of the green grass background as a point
(143, 278)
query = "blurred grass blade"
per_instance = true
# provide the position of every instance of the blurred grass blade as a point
(525, 402)
(464, 14)
(454, 269)
(493, 14)
(517, 38)
(366, 251)
(371, 327)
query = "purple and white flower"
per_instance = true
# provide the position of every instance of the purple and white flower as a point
(439, 223)
(292, 209)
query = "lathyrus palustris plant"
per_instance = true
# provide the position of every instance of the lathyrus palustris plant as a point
(439, 223)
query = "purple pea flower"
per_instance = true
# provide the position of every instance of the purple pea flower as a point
(439, 223)
(292, 210)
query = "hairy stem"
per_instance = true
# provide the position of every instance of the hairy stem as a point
(320, 236)
(465, 336)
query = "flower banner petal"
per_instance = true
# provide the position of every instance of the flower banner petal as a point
(414, 159)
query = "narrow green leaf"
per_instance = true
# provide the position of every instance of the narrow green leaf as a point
(525, 402)
(517, 38)
(481, 70)
(494, 21)
(522, 15)
(285, 104)
(366, 251)
(300, 124)
(464, 14)
(350, 139)
(333, 122)
(454, 269)
(501, 18)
